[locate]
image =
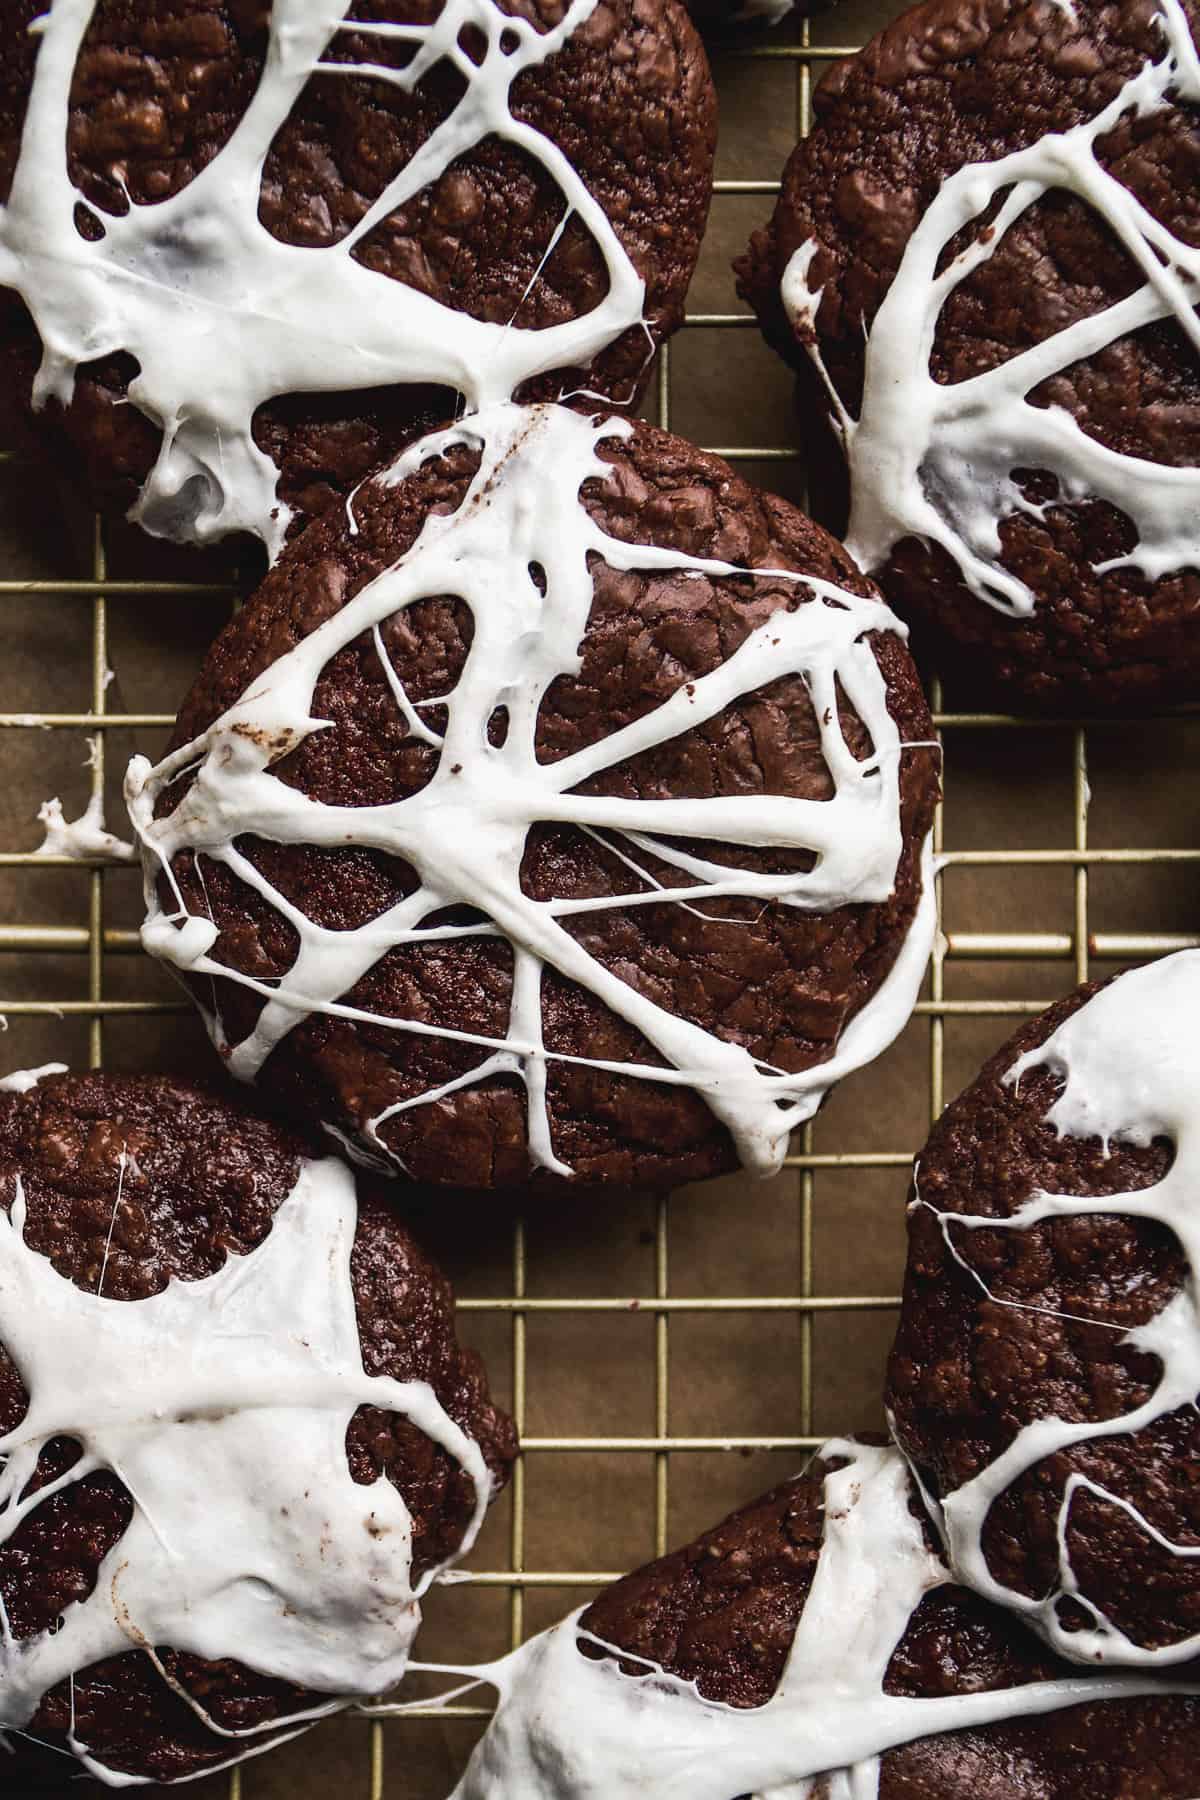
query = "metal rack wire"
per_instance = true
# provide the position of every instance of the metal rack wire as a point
(1069, 952)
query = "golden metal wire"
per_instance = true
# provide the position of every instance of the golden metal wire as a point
(1078, 948)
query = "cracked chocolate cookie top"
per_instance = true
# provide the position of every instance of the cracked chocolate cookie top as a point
(558, 813)
(252, 248)
(1044, 1375)
(238, 1436)
(985, 259)
(815, 1643)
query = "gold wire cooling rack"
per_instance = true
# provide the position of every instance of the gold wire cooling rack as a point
(663, 1360)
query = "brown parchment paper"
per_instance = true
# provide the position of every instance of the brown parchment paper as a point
(718, 1372)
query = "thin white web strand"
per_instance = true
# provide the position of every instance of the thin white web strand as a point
(1131, 1062)
(935, 460)
(221, 316)
(464, 834)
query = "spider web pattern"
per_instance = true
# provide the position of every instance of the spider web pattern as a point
(1129, 1059)
(464, 833)
(935, 460)
(221, 316)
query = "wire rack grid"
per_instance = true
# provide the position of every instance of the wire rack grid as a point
(996, 951)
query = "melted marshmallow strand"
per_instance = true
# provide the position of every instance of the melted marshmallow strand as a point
(576, 1727)
(1130, 1063)
(221, 316)
(936, 461)
(222, 1405)
(464, 834)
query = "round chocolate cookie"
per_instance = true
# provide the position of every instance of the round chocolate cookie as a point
(983, 260)
(558, 813)
(251, 248)
(1045, 1371)
(809, 1634)
(238, 1436)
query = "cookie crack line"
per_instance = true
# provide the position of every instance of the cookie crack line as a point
(570, 1726)
(221, 316)
(1128, 1060)
(241, 1385)
(464, 833)
(938, 461)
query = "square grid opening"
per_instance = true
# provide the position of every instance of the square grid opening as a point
(665, 1360)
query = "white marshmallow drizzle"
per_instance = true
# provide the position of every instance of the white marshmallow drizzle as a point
(935, 460)
(85, 839)
(568, 1727)
(21, 1081)
(1130, 1059)
(222, 1405)
(221, 316)
(464, 834)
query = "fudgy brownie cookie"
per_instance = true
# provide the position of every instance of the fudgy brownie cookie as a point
(1044, 1375)
(238, 1436)
(560, 812)
(251, 248)
(810, 1634)
(983, 261)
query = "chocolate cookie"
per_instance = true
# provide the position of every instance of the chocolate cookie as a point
(605, 858)
(815, 1636)
(1044, 1374)
(252, 248)
(984, 260)
(238, 1437)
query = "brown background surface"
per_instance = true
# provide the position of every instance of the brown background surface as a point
(585, 1507)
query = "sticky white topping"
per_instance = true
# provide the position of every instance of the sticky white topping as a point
(1130, 1061)
(464, 834)
(573, 1727)
(22, 1080)
(222, 1405)
(85, 839)
(935, 460)
(221, 316)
